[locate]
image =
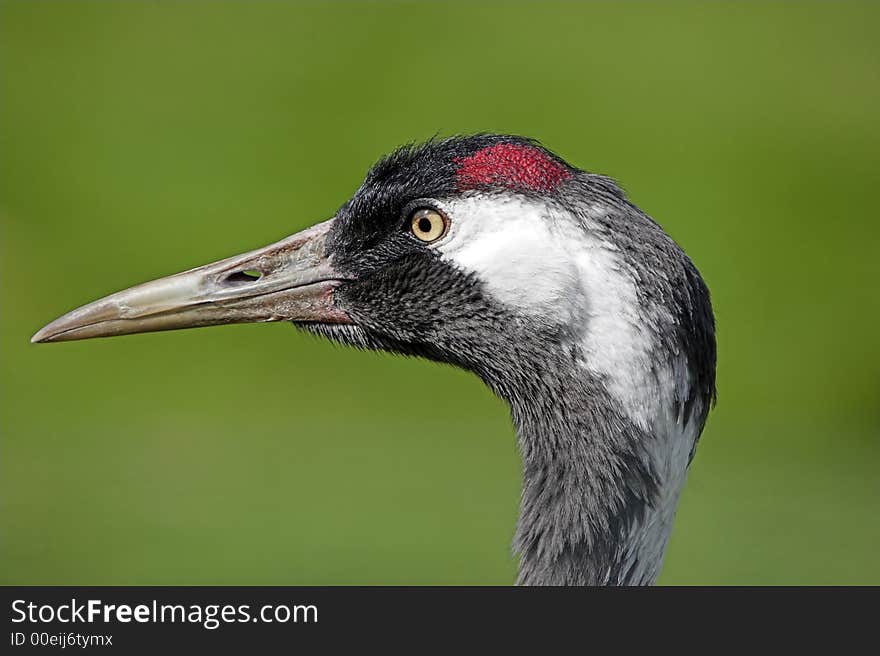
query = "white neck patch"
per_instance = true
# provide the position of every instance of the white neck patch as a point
(538, 261)
(520, 254)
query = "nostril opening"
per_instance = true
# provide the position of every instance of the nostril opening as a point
(243, 277)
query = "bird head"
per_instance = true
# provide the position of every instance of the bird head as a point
(488, 252)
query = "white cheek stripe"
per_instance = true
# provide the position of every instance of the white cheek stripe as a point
(546, 265)
(511, 248)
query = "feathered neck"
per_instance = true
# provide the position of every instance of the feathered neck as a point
(599, 493)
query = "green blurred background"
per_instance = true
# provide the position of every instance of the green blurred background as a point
(141, 138)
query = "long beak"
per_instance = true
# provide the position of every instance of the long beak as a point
(291, 280)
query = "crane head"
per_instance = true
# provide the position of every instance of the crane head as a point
(487, 251)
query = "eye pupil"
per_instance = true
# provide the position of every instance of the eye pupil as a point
(425, 224)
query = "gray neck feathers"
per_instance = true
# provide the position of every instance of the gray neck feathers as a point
(605, 452)
(589, 487)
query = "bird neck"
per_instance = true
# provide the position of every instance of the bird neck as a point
(599, 493)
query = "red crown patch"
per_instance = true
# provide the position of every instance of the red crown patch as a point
(514, 166)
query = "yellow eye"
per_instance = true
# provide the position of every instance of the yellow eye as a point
(428, 225)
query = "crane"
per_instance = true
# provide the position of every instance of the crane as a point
(491, 253)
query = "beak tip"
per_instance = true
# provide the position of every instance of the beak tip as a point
(50, 332)
(42, 335)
